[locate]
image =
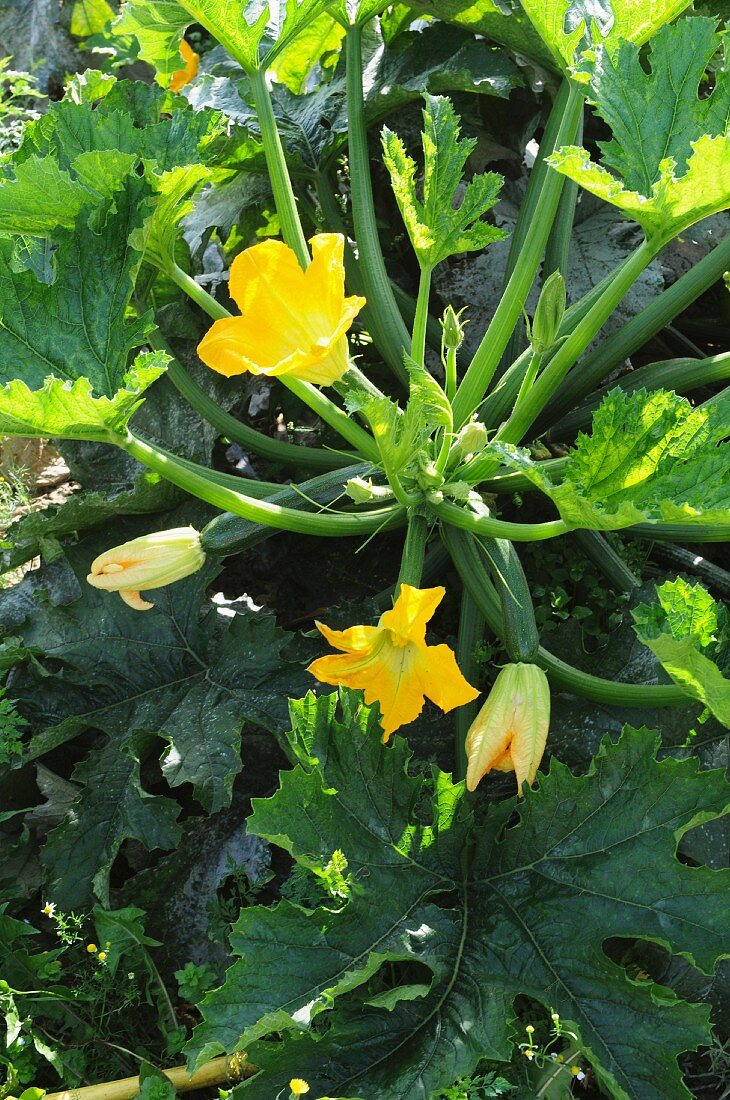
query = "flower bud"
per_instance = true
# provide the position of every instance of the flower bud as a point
(549, 313)
(472, 438)
(428, 477)
(510, 731)
(147, 562)
(363, 491)
(452, 329)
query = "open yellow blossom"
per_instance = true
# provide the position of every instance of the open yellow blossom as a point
(393, 665)
(183, 76)
(298, 1087)
(293, 321)
(510, 731)
(147, 562)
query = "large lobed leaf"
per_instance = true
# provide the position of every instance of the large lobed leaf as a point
(569, 25)
(181, 676)
(69, 410)
(649, 457)
(437, 227)
(685, 630)
(669, 158)
(482, 914)
(68, 265)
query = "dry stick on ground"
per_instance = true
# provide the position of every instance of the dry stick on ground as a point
(219, 1071)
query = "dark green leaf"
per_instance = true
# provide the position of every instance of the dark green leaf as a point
(489, 920)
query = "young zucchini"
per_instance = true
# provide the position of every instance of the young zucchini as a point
(521, 638)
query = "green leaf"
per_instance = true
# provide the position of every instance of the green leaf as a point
(90, 17)
(570, 25)
(123, 931)
(499, 20)
(252, 33)
(485, 919)
(184, 673)
(436, 227)
(154, 1084)
(112, 807)
(69, 410)
(682, 630)
(669, 158)
(650, 457)
(314, 126)
(76, 327)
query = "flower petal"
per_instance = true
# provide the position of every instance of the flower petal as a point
(356, 639)
(134, 600)
(266, 280)
(411, 611)
(444, 683)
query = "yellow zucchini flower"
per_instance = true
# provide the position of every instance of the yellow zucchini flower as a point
(293, 321)
(510, 731)
(147, 562)
(183, 76)
(393, 665)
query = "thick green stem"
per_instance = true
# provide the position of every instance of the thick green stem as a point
(258, 511)
(523, 417)
(308, 394)
(471, 635)
(614, 350)
(557, 249)
(414, 549)
(288, 454)
(391, 334)
(535, 183)
(681, 375)
(495, 340)
(475, 578)
(456, 516)
(286, 204)
(418, 342)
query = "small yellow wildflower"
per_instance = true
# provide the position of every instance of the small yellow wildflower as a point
(529, 1029)
(183, 76)
(150, 561)
(101, 956)
(293, 322)
(510, 731)
(49, 909)
(92, 948)
(298, 1087)
(392, 663)
(529, 1053)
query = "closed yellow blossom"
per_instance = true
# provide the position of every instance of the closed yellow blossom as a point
(183, 76)
(292, 322)
(510, 731)
(393, 665)
(147, 562)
